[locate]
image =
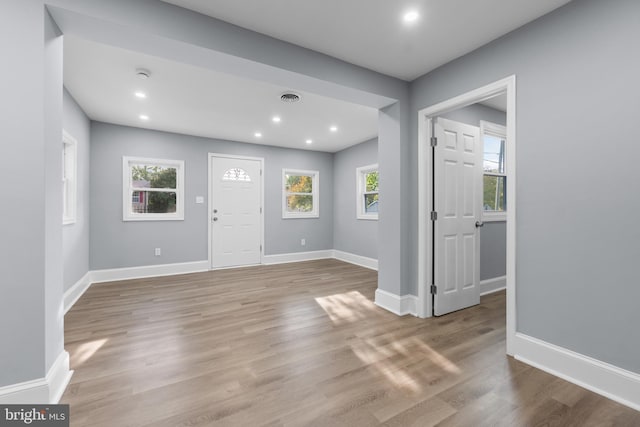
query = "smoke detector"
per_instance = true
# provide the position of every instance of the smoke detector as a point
(290, 97)
(143, 73)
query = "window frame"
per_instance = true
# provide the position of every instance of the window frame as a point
(499, 131)
(69, 180)
(315, 193)
(128, 189)
(361, 186)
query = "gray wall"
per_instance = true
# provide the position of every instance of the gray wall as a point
(356, 236)
(53, 266)
(75, 237)
(577, 108)
(116, 244)
(493, 250)
(394, 262)
(31, 330)
(493, 236)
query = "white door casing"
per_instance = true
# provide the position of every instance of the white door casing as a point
(235, 215)
(425, 195)
(458, 201)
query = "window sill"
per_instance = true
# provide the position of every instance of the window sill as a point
(501, 217)
(157, 218)
(301, 216)
(368, 217)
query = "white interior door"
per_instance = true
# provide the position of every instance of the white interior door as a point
(236, 212)
(457, 202)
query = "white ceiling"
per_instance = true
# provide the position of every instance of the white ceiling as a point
(370, 33)
(194, 101)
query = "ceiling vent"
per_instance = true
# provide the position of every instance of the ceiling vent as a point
(290, 97)
(143, 73)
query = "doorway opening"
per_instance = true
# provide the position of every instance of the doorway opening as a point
(434, 261)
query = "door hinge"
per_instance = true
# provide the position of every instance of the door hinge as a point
(260, 210)
(260, 248)
(260, 172)
(434, 289)
(434, 216)
(434, 141)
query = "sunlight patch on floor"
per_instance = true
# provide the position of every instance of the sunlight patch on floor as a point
(382, 354)
(381, 357)
(86, 351)
(346, 308)
(437, 358)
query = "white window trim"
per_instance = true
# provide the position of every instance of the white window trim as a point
(315, 178)
(501, 132)
(70, 187)
(127, 190)
(360, 191)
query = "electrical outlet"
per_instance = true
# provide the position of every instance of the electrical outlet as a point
(303, 242)
(158, 251)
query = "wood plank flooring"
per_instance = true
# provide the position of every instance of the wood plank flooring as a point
(302, 345)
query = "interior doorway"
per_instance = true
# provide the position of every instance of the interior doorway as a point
(434, 261)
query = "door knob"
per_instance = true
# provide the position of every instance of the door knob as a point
(215, 218)
(479, 224)
(215, 211)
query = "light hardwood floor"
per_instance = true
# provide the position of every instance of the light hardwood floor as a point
(302, 345)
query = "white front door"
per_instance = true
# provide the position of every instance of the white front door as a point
(457, 202)
(236, 212)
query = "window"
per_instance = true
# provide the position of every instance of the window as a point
(152, 189)
(367, 192)
(236, 174)
(494, 180)
(69, 178)
(300, 194)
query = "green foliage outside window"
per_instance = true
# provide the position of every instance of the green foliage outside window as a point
(300, 193)
(493, 198)
(145, 176)
(371, 192)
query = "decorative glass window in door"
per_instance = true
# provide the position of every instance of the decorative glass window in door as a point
(236, 174)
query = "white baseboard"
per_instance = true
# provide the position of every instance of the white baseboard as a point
(362, 261)
(296, 257)
(607, 380)
(47, 390)
(76, 291)
(400, 305)
(58, 377)
(127, 273)
(490, 286)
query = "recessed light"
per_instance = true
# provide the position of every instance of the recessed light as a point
(309, 141)
(140, 95)
(276, 119)
(333, 128)
(411, 16)
(257, 135)
(143, 117)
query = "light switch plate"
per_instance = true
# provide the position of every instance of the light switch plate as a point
(199, 199)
